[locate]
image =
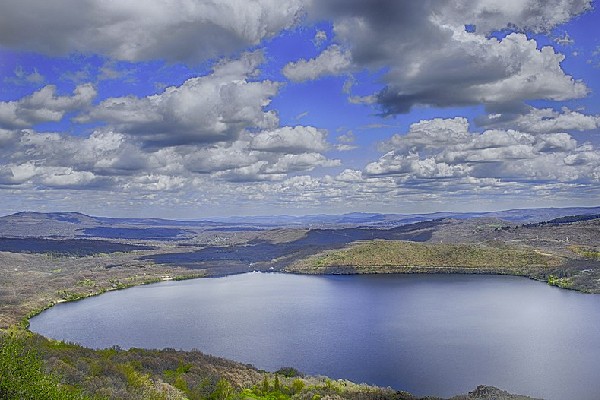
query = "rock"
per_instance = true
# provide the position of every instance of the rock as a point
(483, 392)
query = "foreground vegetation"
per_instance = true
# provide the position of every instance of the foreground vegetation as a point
(32, 367)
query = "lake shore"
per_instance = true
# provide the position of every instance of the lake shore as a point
(229, 369)
(402, 257)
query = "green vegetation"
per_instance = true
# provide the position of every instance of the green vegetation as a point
(288, 389)
(33, 367)
(22, 374)
(564, 282)
(385, 255)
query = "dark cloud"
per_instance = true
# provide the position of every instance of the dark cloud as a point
(180, 30)
(429, 58)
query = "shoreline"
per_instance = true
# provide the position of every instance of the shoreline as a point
(405, 270)
(346, 270)
(236, 364)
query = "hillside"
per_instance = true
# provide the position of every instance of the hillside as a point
(386, 256)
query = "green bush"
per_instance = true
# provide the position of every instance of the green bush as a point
(22, 375)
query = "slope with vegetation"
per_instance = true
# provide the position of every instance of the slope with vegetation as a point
(388, 256)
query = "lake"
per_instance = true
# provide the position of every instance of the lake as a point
(427, 334)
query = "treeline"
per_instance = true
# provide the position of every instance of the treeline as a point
(564, 220)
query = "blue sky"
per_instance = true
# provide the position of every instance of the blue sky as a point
(188, 108)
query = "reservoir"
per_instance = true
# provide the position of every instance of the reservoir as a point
(437, 335)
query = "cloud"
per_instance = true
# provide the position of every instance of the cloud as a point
(107, 159)
(534, 15)
(180, 30)
(347, 137)
(415, 167)
(564, 40)
(300, 162)
(22, 77)
(474, 69)
(332, 61)
(292, 140)
(435, 133)
(44, 106)
(543, 120)
(428, 58)
(208, 109)
(444, 148)
(206, 160)
(320, 38)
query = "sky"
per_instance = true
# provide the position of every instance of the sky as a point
(194, 108)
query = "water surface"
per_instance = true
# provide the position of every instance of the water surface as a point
(427, 334)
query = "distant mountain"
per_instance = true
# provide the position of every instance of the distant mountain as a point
(78, 225)
(378, 219)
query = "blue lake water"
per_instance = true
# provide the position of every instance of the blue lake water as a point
(427, 334)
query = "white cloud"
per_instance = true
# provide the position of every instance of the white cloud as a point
(446, 149)
(332, 61)
(546, 120)
(212, 108)
(44, 106)
(433, 133)
(347, 137)
(415, 167)
(293, 140)
(220, 158)
(300, 162)
(107, 159)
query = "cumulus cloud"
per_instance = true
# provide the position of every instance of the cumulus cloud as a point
(444, 148)
(181, 30)
(107, 159)
(300, 162)
(332, 61)
(220, 158)
(212, 108)
(435, 133)
(430, 59)
(474, 69)
(293, 140)
(44, 106)
(543, 120)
